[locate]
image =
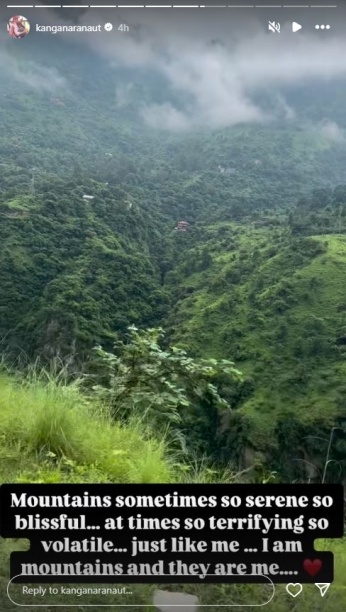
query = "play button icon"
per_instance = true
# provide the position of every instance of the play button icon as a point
(296, 26)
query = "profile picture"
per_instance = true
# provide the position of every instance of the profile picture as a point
(18, 26)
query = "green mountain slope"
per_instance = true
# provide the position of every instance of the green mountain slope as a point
(276, 306)
(74, 271)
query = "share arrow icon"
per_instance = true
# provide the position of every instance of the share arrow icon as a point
(323, 588)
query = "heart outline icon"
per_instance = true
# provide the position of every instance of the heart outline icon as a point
(312, 567)
(293, 585)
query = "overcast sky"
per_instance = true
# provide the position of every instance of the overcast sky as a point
(218, 57)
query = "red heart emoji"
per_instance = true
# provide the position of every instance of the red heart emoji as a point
(312, 567)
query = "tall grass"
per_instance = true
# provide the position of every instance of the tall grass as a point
(51, 423)
(51, 432)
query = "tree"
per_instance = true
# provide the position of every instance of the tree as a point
(206, 260)
(165, 387)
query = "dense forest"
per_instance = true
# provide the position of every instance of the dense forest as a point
(226, 339)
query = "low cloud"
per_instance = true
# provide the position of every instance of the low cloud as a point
(217, 65)
(30, 73)
(165, 116)
(37, 77)
(27, 72)
(124, 94)
(220, 71)
(333, 132)
(217, 98)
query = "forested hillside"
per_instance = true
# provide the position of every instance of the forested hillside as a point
(90, 201)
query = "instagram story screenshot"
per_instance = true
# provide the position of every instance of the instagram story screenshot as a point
(173, 306)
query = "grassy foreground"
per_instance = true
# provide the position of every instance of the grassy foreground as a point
(49, 433)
